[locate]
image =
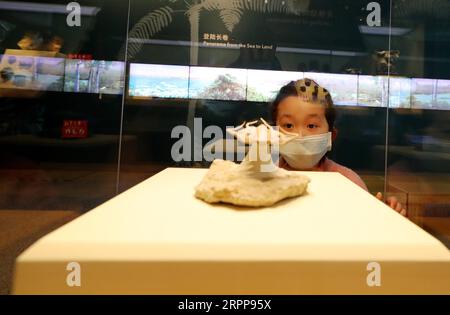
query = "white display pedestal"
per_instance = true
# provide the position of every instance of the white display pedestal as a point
(157, 238)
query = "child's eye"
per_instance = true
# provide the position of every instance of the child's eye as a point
(288, 126)
(311, 126)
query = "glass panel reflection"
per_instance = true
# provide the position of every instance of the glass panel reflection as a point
(61, 90)
(419, 144)
(238, 60)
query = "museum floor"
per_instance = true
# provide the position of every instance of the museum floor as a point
(36, 202)
(51, 198)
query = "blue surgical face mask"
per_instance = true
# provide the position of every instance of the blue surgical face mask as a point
(303, 153)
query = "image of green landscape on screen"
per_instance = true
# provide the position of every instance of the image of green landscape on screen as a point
(443, 95)
(263, 85)
(343, 87)
(94, 76)
(423, 93)
(399, 92)
(218, 83)
(371, 91)
(32, 73)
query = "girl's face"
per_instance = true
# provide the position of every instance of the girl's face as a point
(298, 116)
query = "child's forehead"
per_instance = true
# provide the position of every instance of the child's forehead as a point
(296, 107)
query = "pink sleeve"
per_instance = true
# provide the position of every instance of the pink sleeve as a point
(334, 167)
(354, 178)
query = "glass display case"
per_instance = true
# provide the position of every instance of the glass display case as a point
(91, 92)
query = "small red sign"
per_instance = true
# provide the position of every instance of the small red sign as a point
(74, 129)
(80, 56)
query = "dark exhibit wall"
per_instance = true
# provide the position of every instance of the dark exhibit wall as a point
(294, 37)
(61, 102)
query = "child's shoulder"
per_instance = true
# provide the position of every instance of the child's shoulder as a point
(331, 166)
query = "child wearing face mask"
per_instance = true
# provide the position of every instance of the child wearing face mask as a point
(305, 108)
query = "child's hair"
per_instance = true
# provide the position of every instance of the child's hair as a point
(309, 91)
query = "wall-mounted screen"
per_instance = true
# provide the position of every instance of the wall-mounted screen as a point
(232, 84)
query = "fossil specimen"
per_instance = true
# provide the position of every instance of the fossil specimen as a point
(256, 181)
